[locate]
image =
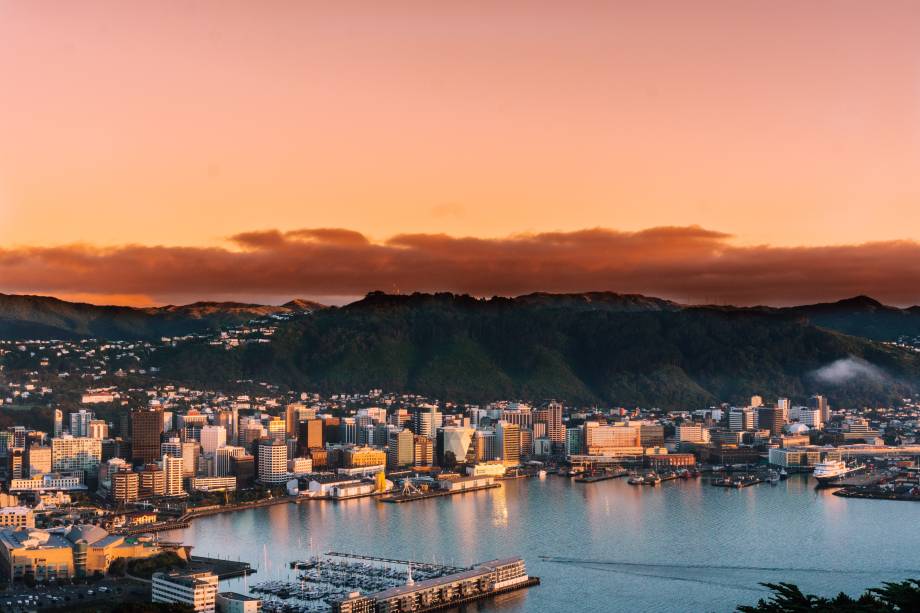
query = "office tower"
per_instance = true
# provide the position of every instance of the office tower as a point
(234, 430)
(348, 430)
(551, 417)
(250, 433)
(691, 433)
(291, 418)
(70, 454)
(426, 423)
(810, 417)
(526, 442)
(400, 449)
(223, 459)
(276, 428)
(820, 402)
(171, 446)
(575, 441)
(98, 429)
(424, 451)
(310, 435)
(125, 485)
(38, 460)
(146, 429)
(519, 414)
(243, 468)
(601, 439)
(152, 481)
(332, 430)
(486, 448)
(79, 423)
(213, 437)
(172, 471)
(509, 442)
(772, 419)
(191, 451)
(272, 461)
(742, 419)
(15, 463)
(58, 422)
(19, 436)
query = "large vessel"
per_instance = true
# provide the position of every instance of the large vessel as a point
(832, 470)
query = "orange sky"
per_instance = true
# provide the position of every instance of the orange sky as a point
(181, 124)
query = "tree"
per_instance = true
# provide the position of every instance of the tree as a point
(891, 598)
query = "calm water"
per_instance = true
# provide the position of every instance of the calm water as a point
(683, 546)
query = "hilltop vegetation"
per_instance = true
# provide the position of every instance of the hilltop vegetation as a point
(581, 348)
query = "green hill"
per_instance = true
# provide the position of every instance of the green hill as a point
(604, 348)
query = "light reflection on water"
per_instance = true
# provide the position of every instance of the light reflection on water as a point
(622, 548)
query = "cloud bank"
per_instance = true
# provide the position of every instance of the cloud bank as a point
(687, 264)
(846, 370)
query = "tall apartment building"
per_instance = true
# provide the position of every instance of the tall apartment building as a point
(172, 472)
(152, 481)
(58, 428)
(146, 430)
(125, 485)
(272, 461)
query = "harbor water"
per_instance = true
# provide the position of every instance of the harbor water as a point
(604, 546)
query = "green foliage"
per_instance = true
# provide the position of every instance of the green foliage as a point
(891, 597)
(601, 351)
(145, 567)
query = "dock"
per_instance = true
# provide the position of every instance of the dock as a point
(400, 498)
(601, 476)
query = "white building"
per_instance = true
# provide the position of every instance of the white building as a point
(197, 590)
(272, 462)
(172, 470)
(212, 438)
(71, 454)
(231, 602)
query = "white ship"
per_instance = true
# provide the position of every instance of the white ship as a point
(832, 470)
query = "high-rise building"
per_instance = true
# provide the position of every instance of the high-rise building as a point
(273, 461)
(98, 429)
(400, 449)
(423, 450)
(38, 459)
(742, 419)
(172, 471)
(223, 459)
(125, 485)
(146, 429)
(426, 423)
(79, 423)
(276, 428)
(485, 445)
(348, 430)
(820, 402)
(620, 437)
(152, 481)
(198, 591)
(650, 435)
(575, 441)
(71, 454)
(171, 446)
(309, 435)
(212, 438)
(772, 419)
(509, 442)
(291, 418)
(58, 422)
(15, 463)
(551, 417)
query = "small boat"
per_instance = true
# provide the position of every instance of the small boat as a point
(783, 475)
(542, 474)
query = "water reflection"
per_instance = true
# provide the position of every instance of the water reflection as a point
(683, 545)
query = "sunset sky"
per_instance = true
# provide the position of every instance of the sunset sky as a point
(730, 151)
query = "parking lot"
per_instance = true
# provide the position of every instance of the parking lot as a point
(20, 598)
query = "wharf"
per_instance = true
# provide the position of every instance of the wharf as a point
(603, 476)
(739, 482)
(400, 498)
(224, 569)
